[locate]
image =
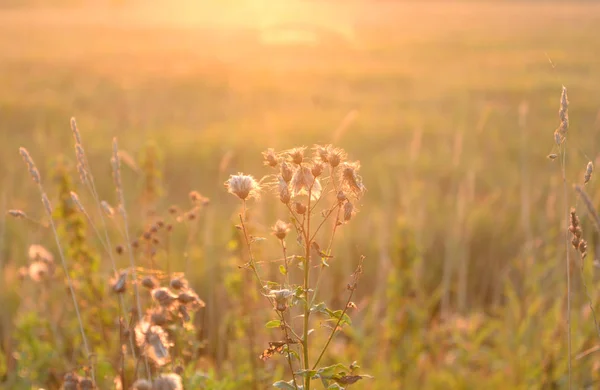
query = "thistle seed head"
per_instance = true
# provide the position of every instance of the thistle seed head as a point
(243, 186)
(280, 229)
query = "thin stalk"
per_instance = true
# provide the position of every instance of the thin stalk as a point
(568, 259)
(334, 329)
(48, 208)
(307, 241)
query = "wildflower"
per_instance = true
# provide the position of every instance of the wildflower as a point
(280, 229)
(243, 186)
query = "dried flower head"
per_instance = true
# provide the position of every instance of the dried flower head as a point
(588, 172)
(86, 384)
(39, 271)
(552, 156)
(284, 191)
(304, 182)
(336, 156)
(300, 208)
(168, 382)
(179, 283)
(119, 283)
(71, 381)
(348, 211)
(243, 186)
(163, 296)
(280, 298)
(154, 342)
(351, 181)
(317, 169)
(297, 154)
(38, 252)
(322, 152)
(270, 158)
(286, 172)
(149, 282)
(281, 229)
(190, 298)
(142, 384)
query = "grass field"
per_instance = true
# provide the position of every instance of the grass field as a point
(450, 109)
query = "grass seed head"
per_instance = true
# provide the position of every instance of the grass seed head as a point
(588, 172)
(17, 213)
(33, 171)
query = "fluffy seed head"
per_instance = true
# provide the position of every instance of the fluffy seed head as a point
(243, 186)
(322, 152)
(317, 169)
(38, 271)
(348, 210)
(38, 252)
(297, 155)
(304, 182)
(336, 156)
(270, 158)
(351, 181)
(163, 296)
(280, 229)
(286, 172)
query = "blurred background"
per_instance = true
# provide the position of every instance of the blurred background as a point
(449, 106)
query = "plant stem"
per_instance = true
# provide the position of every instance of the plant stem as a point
(307, 242)
(567, 243)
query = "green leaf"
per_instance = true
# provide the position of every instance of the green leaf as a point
(282, 269)
(306, 373)
(273, 324)
(284, 385)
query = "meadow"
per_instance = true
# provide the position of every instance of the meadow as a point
(451, 110)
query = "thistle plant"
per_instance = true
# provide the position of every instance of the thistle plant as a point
(319, 195)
